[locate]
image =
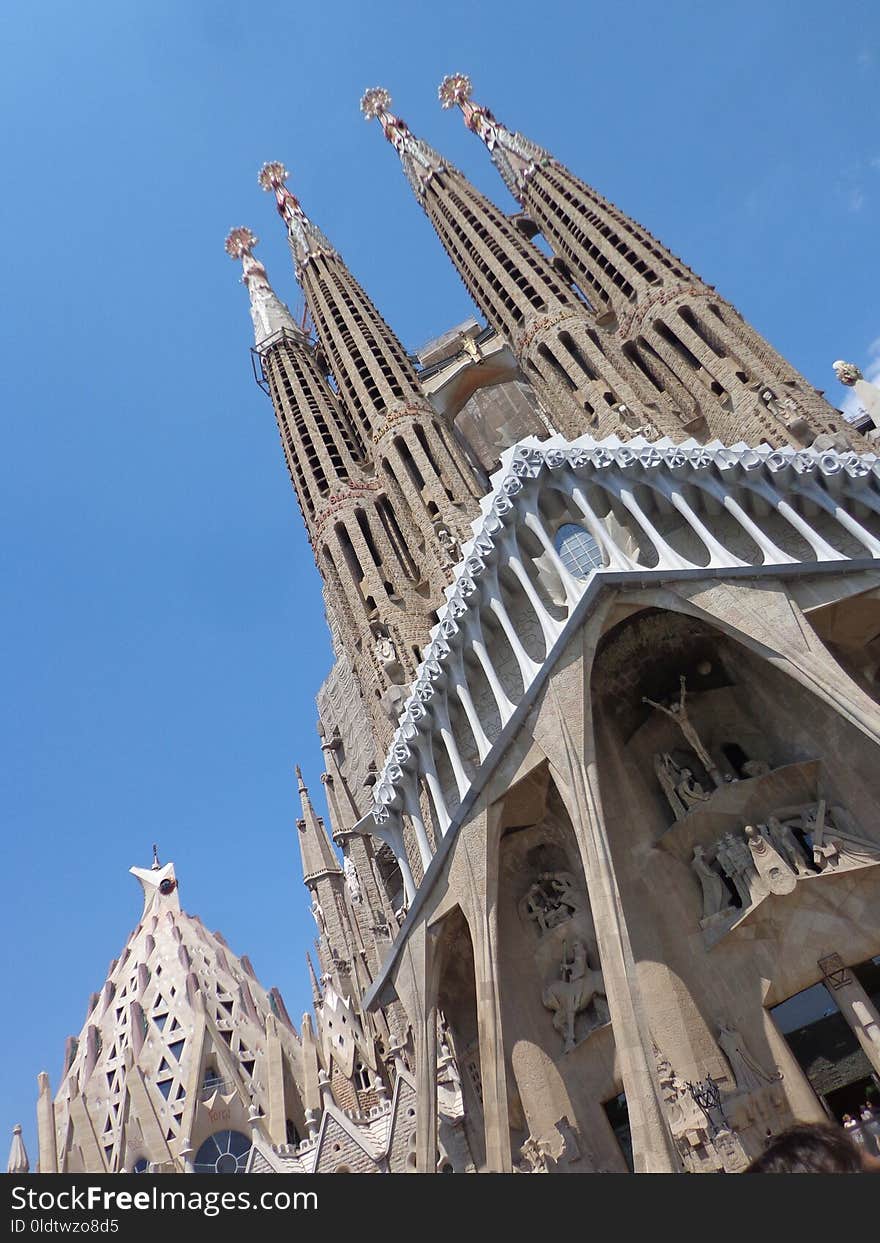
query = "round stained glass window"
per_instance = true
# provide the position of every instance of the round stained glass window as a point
(224, 1152)
(578, 551)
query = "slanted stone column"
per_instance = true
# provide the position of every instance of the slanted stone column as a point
(854, 1004)
(46, 1127)
(416, 985)
(565, 731)
(484, 937)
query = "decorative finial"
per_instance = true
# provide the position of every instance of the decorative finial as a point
(299, 775)
(374, 102)
(240, 242)
(847, 373)
(305, 238)
(156, 864)
(272, 175)
(420, 163)
(454, 89)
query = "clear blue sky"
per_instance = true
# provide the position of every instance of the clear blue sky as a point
(161, 623)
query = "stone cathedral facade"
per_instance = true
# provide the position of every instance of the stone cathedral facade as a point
(599, 889)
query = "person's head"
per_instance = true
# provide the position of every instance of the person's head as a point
(813, 1148)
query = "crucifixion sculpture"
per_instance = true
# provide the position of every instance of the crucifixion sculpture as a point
(679, 714)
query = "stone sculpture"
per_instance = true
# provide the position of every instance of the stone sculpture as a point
(572, 992)
(787, 845)
(535, 1153)
(735, 858)
(715, 895)
(747, 1071)
(829, 836)
(795, 843)
(448, 545)
(755, 768)
(550, 901)
(679, 785)
(318, 915)
(769, 864)
(679, 714)
(386, 654)
(352, 879)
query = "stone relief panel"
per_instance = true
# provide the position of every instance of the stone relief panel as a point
(550, 900)
(555, 909)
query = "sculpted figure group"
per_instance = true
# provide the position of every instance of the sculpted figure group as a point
(741, 869)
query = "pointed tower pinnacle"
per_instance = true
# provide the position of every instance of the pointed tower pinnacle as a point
(18, 1162)
(269, 313)
(306, 239)
(420, 162)
(159, 885)
(317, 996)
(318, 856)
(722, 379)
(587, 382)
(514, 156)
(402, 437)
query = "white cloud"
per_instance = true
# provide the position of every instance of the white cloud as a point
(851, 405)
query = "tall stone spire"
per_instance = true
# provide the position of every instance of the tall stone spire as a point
(367, 555)
(18, 1162)
(306, 239)
(320, 445)
(415, 450)
(269, 313)
(339, 943)
(577, 370)
(515, 156)
(318, 855)
(671, 325)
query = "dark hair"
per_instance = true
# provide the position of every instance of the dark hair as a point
(809, 1148)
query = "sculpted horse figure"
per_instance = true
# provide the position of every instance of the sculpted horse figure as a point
(576, 987)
